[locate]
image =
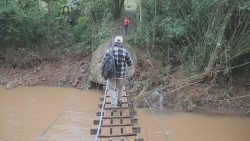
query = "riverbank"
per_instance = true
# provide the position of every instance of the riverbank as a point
(160, 85)
(69, 72)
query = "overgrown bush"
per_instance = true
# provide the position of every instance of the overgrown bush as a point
(21, 22)
(41, 26)
(201, 35)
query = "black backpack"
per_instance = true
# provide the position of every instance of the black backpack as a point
(108, 66)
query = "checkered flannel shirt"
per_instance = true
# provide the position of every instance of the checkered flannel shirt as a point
(122, 57)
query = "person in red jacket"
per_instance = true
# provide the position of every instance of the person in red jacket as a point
(126, 23)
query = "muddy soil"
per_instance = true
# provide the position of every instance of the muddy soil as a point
(69, 72)
(148, 81)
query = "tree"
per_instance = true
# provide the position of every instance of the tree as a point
(116, 7)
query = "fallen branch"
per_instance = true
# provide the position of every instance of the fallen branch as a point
(233, 98)
(174, 90)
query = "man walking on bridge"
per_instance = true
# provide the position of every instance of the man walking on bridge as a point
(121, 58)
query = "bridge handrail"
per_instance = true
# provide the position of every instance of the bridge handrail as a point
(100, 119)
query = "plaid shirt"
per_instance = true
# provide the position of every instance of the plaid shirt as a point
(122, 57)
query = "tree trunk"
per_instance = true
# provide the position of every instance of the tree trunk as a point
(154, 32)
(140, 18)
(117, 6)
(218, 48)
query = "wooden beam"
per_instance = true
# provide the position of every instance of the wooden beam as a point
(118, 125)
(113, 117)
(101, 99)
(136, 129)
(120, 135)
(132, 112)
(96, 122)
(139, 139)
(98, 113)
(134, 120)
(122, 102)
(99, 105)
(93, 131)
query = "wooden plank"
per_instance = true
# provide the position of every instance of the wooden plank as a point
(107, 113)
(124, 99)
(93, 131)
(134, 120)
(119, 125)
(106, 121)
(108, 106)
(122, 102)
(109, 93)
(128, 138)
(98, 113)
(136, 130)
(139, 139)
(118, 113)
(108, 97)
(116, 131)
(128, 129)
(108, 125)
(126, 121)
(116, 135)
(116, 122)
(105, 131)
(96, 122)
(115, 117)
(125, 112)
(122, 96)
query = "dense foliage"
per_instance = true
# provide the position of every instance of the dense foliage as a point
(21, 22)
(59, 24)
(197, 34)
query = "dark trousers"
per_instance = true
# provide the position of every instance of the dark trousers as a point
(126, 29)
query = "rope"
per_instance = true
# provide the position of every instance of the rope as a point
(100, 119)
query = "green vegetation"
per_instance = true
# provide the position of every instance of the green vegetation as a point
(131, 5)
(199, 40)
(199, 35)
(50, 28)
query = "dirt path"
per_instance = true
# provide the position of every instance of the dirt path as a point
(120, 29)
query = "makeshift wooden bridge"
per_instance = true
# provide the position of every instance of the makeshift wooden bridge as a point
(116, 126)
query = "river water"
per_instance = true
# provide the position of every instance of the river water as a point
(63, 114)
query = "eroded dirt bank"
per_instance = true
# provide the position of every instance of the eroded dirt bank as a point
(70, 72)
(160, 84)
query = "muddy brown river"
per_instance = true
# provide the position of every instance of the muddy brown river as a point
(63, 114)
